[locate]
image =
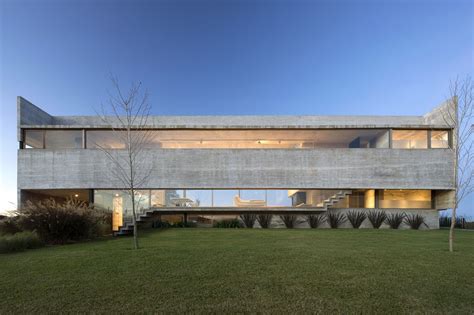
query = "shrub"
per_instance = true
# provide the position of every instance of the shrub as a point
(232, 223)
(394, 220)
(415, 221)
(290, 220)
(356, 218)
(60, 223)
(335, 219)
(10, 225)
(181, 224)
(376, 218)
(315, 220)
(19, 242)
(264, 220)
(248, 219)
(445, 221)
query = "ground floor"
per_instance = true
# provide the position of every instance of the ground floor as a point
(246, 271)
(204, 207)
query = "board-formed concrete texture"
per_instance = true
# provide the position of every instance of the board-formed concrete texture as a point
(323, 168)
(252, 168)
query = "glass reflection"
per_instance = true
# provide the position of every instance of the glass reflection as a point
(439, 139)
(410, 139)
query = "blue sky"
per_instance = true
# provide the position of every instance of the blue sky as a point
(231, 57)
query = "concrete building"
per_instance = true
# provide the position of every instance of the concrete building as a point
(206, 167)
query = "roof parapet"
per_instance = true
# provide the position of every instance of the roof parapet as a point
(30, 114)
(438, 114)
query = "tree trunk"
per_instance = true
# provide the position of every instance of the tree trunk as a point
(451, 228)
(134, 220)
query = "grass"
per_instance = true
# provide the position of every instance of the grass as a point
(246, 270)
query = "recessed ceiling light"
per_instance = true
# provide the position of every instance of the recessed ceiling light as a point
(76, 195)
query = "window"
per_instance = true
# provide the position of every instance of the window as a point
(199, 198)
(439, 139)
(278, 198)
(410, 139)
(404, 199)
(246, 139)
(225, 198)
(34, 139)
(63, 139)
(106, 139)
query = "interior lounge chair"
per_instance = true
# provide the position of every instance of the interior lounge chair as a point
(248, 203)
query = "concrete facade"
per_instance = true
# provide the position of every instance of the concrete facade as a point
(324, 168)
(253, 168)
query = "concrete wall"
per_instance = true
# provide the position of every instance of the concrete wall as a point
(438, 114)
(259, 168)
(250, 122)
(29, 114)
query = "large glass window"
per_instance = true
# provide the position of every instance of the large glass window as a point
(404, 199)
(225, 198)
(244, 139)
(34, 139)
(199, 198)
(63, 139)
(410, 139)
(278, 198)
(240, 139)
(440, 139)
(106, 139)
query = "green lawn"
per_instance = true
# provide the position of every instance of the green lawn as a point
(243, 270)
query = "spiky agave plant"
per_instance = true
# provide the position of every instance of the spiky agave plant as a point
(394, 220)
(290, 220)
(315, 220)
(264, 220)
(248, 219)
(335, 219)
(356, 218)
(376, 218)
(415, 221)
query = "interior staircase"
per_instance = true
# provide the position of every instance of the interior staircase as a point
(146, 214)
(331, 201)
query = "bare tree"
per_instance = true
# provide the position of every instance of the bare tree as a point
(128, 114)
(458, 115)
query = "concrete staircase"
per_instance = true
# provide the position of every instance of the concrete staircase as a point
(145, 215)
(331, 201)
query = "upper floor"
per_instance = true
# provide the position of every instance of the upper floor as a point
(39, 130)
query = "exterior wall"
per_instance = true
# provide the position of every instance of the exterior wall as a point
(431, 219)
(247, 122)
(259, 168)
(29, 114)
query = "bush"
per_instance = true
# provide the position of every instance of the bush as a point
(415, 221)
(356, 218)
(394, 220)
(290, 220)
(264, 220)
(335, 219)
(19, 242)
(248, 219)
(232, 223)
(10, 225)
(315, 220)
(183, 225)
(159, 224)
(445, 221)
(64, 222)
(376, 218)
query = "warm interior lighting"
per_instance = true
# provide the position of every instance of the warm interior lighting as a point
(76, 195)
(116, 195)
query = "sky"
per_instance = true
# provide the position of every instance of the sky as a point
(231, 57)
